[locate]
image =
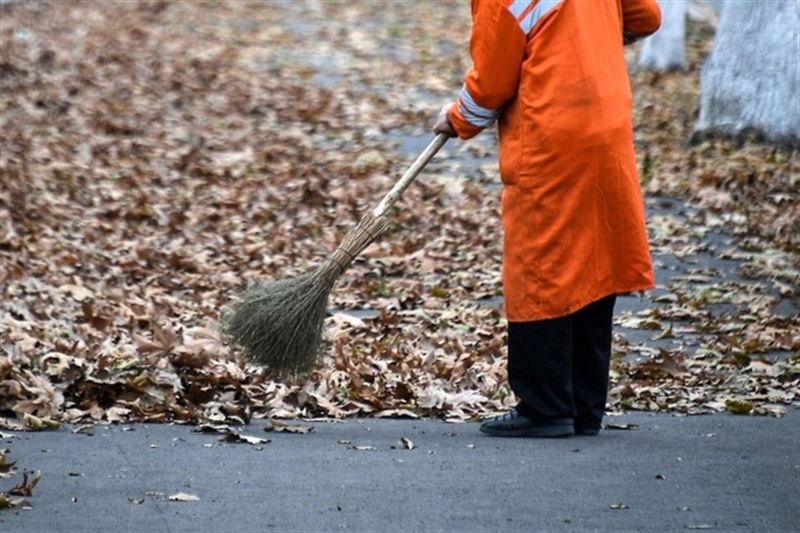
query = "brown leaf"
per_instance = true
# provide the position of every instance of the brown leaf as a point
(622, 426)
(396, 413)
(228, 434)
(84, 429)
(20, 503)
(25, 488)
(190, 359)
(278, 426)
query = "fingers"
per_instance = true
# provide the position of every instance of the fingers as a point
(442, 124)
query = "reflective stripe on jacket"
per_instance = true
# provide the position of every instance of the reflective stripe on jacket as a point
(553, 74)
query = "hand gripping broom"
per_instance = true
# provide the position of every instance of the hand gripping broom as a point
(278, 324)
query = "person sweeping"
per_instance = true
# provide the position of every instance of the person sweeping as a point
(552, 73)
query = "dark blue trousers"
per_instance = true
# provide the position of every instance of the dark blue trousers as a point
(558, 368)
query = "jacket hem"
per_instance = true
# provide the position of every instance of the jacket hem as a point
(580, 304)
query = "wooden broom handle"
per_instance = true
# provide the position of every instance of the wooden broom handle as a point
(412, 172)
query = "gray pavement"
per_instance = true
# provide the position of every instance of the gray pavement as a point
(717, 472)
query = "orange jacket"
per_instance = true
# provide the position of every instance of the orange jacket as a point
(553, 74)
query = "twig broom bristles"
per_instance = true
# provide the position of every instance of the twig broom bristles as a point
(278, 324)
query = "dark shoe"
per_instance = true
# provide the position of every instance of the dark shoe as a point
(513, 424)
(587, 428)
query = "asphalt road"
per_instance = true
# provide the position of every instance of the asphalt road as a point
(716, 472)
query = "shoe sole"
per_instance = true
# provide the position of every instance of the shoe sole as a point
(542, 432)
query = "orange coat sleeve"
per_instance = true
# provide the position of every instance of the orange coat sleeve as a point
(640, 17)
(497, 48)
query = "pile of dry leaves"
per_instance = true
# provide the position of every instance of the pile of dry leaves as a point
(154, 155)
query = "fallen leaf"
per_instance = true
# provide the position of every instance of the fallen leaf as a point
(396, 413)
(408, 444)
(84, 429)
(621, 426)
(241, 437)
(6, 466)
(228, 434)
(278, 426)
(739, 407)
(79, 292)
(183, 497)
(26, 486)
(35, 423)
(19, 503)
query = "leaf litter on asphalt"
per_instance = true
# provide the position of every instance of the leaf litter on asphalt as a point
(193, 153)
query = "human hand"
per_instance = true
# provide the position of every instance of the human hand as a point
(442, 124)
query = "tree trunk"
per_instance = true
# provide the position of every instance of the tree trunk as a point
(717, 5)
(664, 49)
(751, 80)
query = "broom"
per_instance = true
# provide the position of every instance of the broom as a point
(278, 324)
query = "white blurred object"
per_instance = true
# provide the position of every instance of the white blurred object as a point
(707, 11)
(716, 4)
(664, 50)
(751, 80)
